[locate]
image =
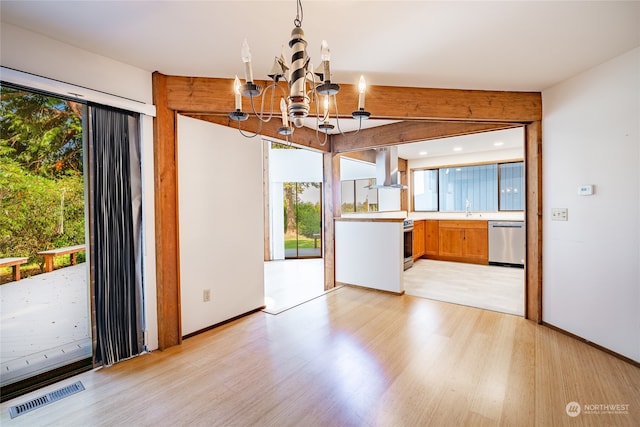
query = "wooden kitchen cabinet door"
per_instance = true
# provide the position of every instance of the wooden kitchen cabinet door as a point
(431, 236)
(450, 242)
(418, 239)
(475, 244)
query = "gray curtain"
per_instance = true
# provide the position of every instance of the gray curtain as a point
(115, 223)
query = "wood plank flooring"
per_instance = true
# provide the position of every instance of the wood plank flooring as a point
(356, 357)
(483, 286)
(288, 283)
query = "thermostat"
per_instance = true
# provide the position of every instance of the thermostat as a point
(585, 190)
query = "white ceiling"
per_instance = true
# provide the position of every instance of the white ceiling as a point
(507, 45)
(516, 45)
(480, 142)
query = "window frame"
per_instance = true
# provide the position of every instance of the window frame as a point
(438, 168)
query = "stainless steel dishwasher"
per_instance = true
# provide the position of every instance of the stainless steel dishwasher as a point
(507, 243)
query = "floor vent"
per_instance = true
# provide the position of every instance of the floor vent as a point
(48, 398)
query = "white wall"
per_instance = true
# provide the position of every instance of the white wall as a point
(370, 254)
(356, 169)
(33, 53)
(295, 165)
(468, 158)
(591, 135)
(221, 223)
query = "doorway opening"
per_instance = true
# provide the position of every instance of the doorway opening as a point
(46, 322)
(294, 267)
(460, 193)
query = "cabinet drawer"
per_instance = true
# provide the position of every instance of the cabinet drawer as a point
(472, 223)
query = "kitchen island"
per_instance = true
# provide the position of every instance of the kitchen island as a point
(369, 252)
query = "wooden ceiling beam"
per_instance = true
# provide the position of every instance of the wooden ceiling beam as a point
(412, 131)
(215, 95)
(362, 155)
(302, 136)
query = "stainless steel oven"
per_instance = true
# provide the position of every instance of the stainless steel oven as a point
(408, 243)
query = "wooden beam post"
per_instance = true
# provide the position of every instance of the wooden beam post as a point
(166, 213)
(533, 277)
(331, 210)
(266, 199)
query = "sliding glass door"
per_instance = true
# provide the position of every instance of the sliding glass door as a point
(59, 160)
(46, 322)
(302, 219)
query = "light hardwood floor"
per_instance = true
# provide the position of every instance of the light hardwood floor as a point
(288, 283)
(356, 357)
(482, 286)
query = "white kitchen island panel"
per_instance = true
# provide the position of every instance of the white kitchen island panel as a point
(369, 253)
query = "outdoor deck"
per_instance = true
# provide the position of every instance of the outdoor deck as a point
(44, 322)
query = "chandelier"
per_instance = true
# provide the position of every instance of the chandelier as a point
(296, 101)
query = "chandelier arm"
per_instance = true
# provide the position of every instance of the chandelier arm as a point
(359, 126)
(315, 98)
(284, 91)
(248, 135)
(261, 115)
(335, 102)
(324, 142)
(273, 92)
(317, 102)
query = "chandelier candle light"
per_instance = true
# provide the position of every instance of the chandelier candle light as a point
(294, 106)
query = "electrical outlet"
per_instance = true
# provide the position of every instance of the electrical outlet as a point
(559, 214)
(206, 295)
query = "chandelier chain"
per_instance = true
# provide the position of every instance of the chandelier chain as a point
(299, 14)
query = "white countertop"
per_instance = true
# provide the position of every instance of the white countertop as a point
(488, 216)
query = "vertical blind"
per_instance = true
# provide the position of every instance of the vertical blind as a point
(486, 188)
(476, 186)
(511, 186)
(115, 200)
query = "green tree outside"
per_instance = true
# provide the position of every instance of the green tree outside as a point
(41, 178)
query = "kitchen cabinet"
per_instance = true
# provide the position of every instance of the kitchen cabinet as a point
(463, 241)
(418, 239)
(432, 237)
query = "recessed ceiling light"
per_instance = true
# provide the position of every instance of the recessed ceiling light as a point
(457, 148)
(423, 153)
(498, 143)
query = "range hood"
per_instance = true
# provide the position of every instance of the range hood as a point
(387, 173)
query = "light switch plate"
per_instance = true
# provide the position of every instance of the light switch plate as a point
(559, 214)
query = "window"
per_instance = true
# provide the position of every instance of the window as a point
(478, 188)
(348, 196)
(469, 187)
(511, 186)
(425, 190)
(357, 196)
